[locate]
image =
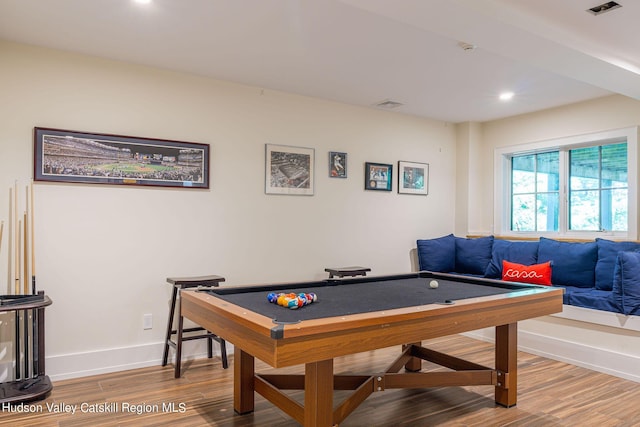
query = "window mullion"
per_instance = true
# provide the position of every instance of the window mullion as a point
(563, 211)
(600, 219)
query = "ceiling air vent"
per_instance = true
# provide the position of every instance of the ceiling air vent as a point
(605, 7)
(388, 104)
(467, 47)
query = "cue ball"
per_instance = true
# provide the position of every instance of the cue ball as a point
(433, 284)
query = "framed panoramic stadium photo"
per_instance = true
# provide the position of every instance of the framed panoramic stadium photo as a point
(81, 157)
(289, 170)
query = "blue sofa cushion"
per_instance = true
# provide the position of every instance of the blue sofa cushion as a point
(626, 282)
(569, 290)
(473, 255)
(607, 255)
(595, 299)
(525, 253)
(437, 254)
(573, 263)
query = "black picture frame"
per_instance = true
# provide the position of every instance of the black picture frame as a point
(378, 176)
(337, 164)
(96, 158)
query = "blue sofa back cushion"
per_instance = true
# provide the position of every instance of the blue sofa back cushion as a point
(626, 282)
(525, 253)
(573, 263)
(595, 299)
(607, 255)
(437, 254)
(473, 255)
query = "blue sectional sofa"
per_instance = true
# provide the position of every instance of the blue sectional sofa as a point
(601, 275)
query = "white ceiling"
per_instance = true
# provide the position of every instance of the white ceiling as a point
(549, 52)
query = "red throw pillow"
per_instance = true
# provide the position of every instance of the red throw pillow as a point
(537, 274)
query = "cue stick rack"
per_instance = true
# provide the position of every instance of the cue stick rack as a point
(22, 308)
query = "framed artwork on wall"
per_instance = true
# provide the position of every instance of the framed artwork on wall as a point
(378, 176)
(289, 170)
(413, 178)
(337, 164)
(95, 158)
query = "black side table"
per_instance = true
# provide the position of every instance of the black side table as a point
(346, 271)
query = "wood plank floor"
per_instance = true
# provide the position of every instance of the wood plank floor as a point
(550, 394)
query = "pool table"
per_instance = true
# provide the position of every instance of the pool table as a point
(362, 314)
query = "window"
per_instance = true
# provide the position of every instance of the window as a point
(535, 192)
(598, 188)
(574, 186)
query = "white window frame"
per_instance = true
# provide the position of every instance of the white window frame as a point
(502, 182)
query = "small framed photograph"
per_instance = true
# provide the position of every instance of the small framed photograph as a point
(95, 158)
(337, 164)
(378, 176)
(289, 170)
(413, 178)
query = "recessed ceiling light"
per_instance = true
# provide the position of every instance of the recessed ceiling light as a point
(505, 96)
(142, 1)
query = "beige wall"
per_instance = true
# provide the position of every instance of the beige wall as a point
(104, 252)
(471, 205)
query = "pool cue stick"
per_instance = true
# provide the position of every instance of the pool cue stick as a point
(16, 274)
(19, 257)
(9, 272)
(16, 238)
(22, 340)
(34, 335)
(10, 261)
(33, 246)
(25, 290)
(34, 315)
(25, 254)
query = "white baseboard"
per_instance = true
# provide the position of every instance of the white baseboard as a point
(77, 365)
(597, 359)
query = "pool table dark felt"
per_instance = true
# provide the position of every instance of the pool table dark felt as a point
(365, 295)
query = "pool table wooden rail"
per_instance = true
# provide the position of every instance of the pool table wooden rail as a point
(321, 339)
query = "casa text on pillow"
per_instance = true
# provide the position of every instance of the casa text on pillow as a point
(537, 274)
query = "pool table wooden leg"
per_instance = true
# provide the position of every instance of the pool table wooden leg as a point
(243, 388)
(507, 364)
(415, 363)
(318, 394)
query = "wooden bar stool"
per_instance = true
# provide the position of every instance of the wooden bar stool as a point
(180, 283)
(346, 271)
